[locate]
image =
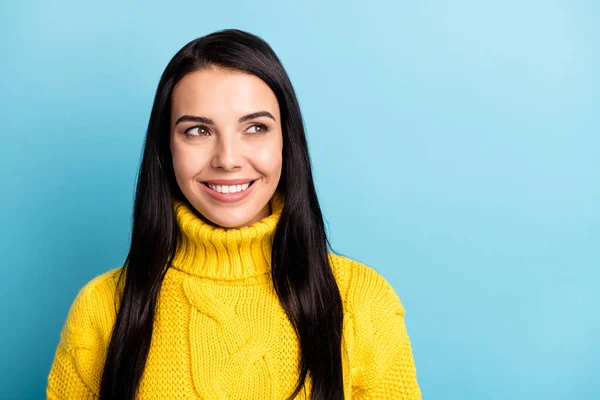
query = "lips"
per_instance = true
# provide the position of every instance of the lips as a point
(229, 197)
(230, 182)
(207, 183)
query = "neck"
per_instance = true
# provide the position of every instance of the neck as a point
(209, 251)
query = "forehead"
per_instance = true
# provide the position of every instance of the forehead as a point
(220, 93)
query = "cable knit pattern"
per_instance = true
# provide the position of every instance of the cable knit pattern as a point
(220, 332)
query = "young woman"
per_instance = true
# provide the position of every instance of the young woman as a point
(230, 289)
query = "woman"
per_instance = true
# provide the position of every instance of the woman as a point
(229, 289)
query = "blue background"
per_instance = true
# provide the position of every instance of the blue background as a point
(456, 150)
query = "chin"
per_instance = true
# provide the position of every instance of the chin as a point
(231, 221)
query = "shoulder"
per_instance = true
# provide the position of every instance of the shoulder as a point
(101, 281)
(92, 304)
(94, 290)
(362, 286)
(78, 360)
(375, 333)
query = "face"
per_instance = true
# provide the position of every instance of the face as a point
(225, 133)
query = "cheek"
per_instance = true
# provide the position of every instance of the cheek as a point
(185, 163)
(268, 160)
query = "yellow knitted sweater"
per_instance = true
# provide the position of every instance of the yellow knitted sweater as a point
(220, 332)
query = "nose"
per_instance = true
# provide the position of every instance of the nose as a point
(227, 154)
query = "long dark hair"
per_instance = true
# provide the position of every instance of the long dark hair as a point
(302, 276)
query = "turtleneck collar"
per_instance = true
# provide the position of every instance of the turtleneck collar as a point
(225, 253)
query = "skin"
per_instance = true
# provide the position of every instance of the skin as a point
(226, 149)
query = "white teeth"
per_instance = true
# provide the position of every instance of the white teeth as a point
(229, 189)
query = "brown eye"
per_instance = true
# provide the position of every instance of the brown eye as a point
(258, 129)
(201, 131)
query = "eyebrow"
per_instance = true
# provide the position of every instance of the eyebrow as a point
(208, 121)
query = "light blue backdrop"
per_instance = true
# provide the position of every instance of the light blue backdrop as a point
(456, 150)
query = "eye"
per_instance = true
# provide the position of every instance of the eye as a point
(259, 129)
(202, 131)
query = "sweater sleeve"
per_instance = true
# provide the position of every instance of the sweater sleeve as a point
(385, 368)
(77, 366)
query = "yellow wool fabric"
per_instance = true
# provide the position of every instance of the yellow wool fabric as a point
(220, 332)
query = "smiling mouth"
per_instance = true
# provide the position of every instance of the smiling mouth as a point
(226, 189)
